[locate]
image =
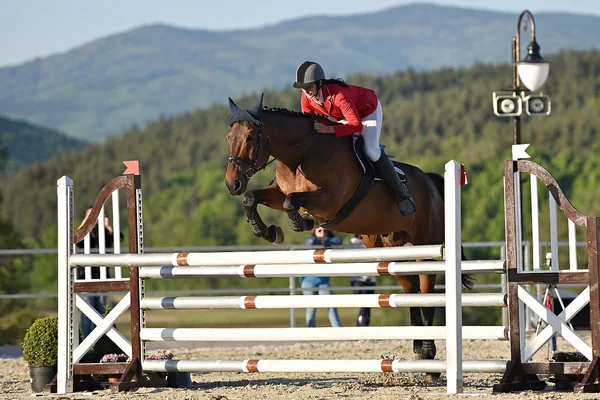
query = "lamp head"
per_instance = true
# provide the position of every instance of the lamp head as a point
(533, 71)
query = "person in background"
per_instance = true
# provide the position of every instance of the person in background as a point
(313, 285)
(364, 285)
(98, 302)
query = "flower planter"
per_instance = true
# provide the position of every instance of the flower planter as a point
(40, 377)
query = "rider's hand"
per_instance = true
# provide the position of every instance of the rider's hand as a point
(322, 128)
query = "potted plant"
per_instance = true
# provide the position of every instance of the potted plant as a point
(40, 351)
(114, 358)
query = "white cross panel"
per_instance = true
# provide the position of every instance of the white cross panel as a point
(556, 323)
(103, 326)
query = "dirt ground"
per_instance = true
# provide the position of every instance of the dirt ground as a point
(14, 375)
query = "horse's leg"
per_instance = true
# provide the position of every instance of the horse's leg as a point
(271, 197)
(318, 202)
(425, 349)
(300, 223)
(410, 284)
(427, 283)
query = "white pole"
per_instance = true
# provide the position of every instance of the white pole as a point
(318, 366)
(319, 301)
(64, 375)
(329, 256)
(87, 250)
(452, 204)
(535, 223)
(101, 240)
(116, 223)
(553, 233)
(572, 246)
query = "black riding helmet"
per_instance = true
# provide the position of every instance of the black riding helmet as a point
(308, 73)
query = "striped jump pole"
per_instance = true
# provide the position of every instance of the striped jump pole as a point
(320, 301)
(319, 366)
(385, 268)
(328, 256)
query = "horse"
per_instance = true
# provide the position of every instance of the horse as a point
(316, 176)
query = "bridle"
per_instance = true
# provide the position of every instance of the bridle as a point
(254, 168)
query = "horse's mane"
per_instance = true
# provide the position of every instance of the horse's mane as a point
(294, 113)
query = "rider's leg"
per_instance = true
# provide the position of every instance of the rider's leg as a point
(386, 169)
(383, 165)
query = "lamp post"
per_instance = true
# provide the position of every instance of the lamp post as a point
(533, 71)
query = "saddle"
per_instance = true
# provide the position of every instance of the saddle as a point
(370, 176)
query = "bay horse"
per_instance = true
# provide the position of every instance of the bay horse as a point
(316, 175)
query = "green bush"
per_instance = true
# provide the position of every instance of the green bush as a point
(40, 345)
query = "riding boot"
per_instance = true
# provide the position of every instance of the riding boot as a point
(387, 171)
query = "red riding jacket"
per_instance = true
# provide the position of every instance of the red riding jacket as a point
(351, 103)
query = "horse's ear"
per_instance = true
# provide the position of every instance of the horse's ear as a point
(233, 107)
(257, 109)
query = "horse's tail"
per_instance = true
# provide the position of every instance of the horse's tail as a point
(438, 181)
(467, 280)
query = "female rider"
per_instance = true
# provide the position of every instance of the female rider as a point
(359, 111)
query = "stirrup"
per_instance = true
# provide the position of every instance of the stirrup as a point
(407, 206)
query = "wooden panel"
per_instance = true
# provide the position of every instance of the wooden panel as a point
(99, 287)
(99, 368)
(547, 277)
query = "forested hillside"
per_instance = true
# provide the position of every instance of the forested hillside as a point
(102, 87)
(26, 143)
(429, 118)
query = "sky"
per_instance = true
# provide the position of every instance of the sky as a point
(38, 28)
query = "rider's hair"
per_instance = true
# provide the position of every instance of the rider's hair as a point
(337, 81)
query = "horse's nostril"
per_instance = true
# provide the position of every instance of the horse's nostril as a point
(237, 184)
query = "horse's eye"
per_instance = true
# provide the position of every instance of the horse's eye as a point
(249, 138)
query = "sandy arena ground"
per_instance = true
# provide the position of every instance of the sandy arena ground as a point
(14, 375)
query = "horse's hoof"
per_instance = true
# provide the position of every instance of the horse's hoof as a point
(428, 350)
(432, 377)
(274, 234)
(309, 222)
(417, 346)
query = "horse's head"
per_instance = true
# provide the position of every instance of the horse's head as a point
(247, 155)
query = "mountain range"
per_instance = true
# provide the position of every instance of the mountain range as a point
(105, 86)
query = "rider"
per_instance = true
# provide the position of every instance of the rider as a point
(359, 111)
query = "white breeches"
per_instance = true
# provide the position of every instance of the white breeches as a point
(371, 132)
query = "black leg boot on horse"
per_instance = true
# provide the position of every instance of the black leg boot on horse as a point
(386, 169)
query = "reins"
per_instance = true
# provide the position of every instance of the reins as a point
(254, 169)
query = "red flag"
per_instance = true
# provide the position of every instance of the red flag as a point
(463, 175)
(133, 167)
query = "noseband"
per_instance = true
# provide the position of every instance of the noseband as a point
(254, 168)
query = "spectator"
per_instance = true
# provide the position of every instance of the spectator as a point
(313, 285)
(366, 283)
(98, 302)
